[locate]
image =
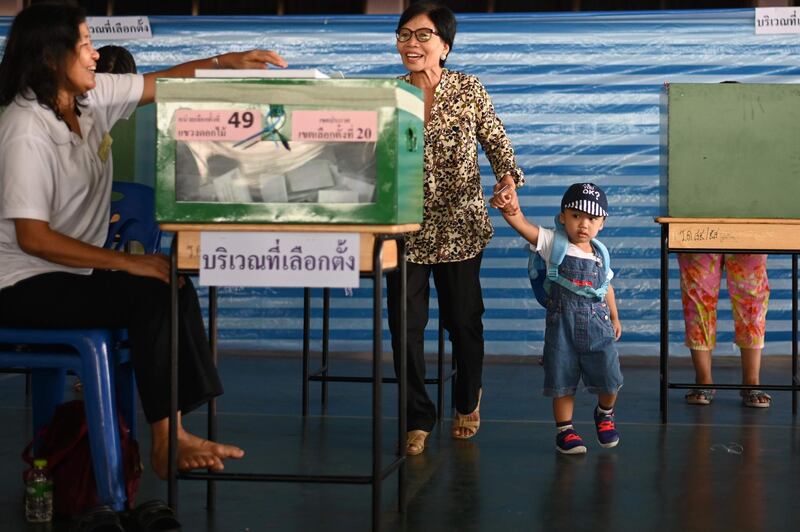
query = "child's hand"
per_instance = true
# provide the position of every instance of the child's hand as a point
(505, 198)
(500, 199)
(617, 328)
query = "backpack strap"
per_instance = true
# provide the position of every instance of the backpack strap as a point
(606, 258)
(585, 291)
(559, 251)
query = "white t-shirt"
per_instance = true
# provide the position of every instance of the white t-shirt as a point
(51, 174)
(544, 247)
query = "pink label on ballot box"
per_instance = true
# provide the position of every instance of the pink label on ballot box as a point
(228, 124)
(335, 126)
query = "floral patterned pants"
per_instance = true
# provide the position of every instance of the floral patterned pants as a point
(748, 287)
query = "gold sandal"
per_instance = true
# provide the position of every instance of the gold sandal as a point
(462, 421)
(415, 442)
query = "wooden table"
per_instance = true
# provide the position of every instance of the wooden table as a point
(725, 235)
(382, 250)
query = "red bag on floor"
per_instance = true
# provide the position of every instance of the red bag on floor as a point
(64, 442)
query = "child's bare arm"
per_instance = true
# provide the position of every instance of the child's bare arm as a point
(526, 229)
(612, 311)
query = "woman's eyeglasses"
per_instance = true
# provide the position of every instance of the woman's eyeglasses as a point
(422, 34)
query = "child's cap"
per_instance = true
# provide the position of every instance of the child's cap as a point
(585, 197)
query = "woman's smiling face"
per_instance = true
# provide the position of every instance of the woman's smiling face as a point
(81, 64)
(421, 56)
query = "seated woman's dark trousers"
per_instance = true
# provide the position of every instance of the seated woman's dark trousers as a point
(114, 299)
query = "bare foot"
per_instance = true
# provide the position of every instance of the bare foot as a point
(193, 453)
(220, 450)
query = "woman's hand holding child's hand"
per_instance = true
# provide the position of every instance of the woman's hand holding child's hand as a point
(500, 199)
(503, 201)
(505, 196)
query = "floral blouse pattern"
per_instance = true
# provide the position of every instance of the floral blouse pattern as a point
(455, 221)
(748, 288)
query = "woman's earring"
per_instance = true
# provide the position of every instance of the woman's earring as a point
(443, 57)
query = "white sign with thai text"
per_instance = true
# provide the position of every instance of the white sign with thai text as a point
(279, 259)
(773, 20)
(119, 28)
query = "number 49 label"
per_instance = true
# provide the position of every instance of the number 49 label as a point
(224, 124)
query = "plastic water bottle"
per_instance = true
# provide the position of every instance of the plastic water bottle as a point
(39, 494)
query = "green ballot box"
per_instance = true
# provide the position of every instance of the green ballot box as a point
(730, 150)
(289, 151)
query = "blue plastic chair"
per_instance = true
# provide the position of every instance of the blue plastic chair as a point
(98, 356)
(133, 217)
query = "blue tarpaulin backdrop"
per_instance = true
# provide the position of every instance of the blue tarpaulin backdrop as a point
(579, 97)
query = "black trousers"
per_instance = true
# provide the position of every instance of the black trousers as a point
(113, 299)
(460, 309)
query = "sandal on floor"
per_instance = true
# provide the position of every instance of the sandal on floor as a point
(462, 421)
(756, 398)
(98, 519)
(415, 442)
(155, 516)
(700, 397)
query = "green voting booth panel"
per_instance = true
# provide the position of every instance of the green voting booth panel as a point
(288, 151)
(730, 150)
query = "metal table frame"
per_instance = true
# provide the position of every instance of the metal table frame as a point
(321, 374)
(720, 245)
(379, 472)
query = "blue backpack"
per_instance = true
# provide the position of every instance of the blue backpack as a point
(542, 274)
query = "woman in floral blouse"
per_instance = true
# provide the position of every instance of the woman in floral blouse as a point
(455, 226)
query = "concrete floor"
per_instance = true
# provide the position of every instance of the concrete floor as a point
(721, 467)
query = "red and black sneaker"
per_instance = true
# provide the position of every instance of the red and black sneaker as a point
(568, 442)
(607, 435)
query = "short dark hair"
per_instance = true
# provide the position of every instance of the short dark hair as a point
(441, 16)
(115, 60)
(41, 39)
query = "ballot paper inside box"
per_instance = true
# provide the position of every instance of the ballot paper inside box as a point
(289, 151)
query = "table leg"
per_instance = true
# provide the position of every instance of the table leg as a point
(795, 381)
(377, 341)
(326, 332)
(664, 340)
(211, 486)
(306, 345)
(440, 372)
(402, 388)
(172, 466)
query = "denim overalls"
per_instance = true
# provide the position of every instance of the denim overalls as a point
(579, 337)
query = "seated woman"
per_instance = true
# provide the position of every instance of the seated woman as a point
(55, 190)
